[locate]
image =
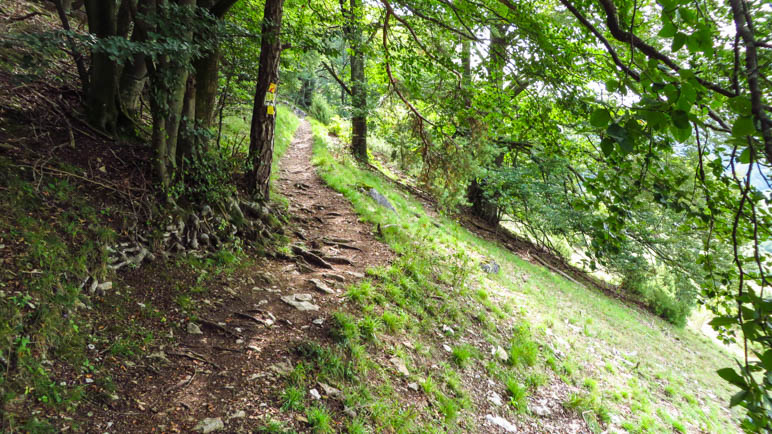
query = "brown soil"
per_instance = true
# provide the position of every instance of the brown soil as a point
(232, 367)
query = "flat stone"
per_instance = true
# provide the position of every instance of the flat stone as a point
(315, 394)
(501, 422)
(160, 355)
(300, 302)
(194, 329)
(241, 414)
(281, 368)
(447, 348)
(400, 365)
(318, 321)
(333, 276)
(491, 267)
(355, 275)
(381, 199)
(210, 424)
(330, 391)
(500, 353)
(320, 286)
(413, 386)
(541, 410)
(104, 286)
(495, 399)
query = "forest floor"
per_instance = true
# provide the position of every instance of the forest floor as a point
(233, 368)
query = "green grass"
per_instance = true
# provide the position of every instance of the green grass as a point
(464, 354)
(292, 398)
(320, 420)
(579, 326)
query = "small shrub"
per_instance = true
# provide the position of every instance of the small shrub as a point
(522, 350)
(517, 394)
(462, 354)
(320, 420)
(344, 328)
(393, 322)
(292, 398)
(368, 326)
(320, 109)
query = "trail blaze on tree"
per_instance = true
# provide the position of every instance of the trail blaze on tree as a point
(261, 136)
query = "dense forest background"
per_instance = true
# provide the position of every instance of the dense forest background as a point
(631, 139)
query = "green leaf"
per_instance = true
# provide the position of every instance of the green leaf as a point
(678, 41)
(600, 118)
(737, 398)
(626, 145)
(766, 360)
(745, 156)
(732, 376)
(743, 126)
(693, 43)
(607, 146)
(671, 92)
(612, 85)
(617, 132)
(723, 321)
(681, 134)
(680, 119)
(688, 95)
(740, 105)
(668, 30)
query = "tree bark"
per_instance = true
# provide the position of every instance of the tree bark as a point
(63, 8)
(263, 124)
(482, 205)
(207, 75)
(187, 146)
(135, 73)
(358, 83)
(179, 70)
(101, 101)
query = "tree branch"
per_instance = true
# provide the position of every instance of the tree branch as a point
(337, 78)
(752, 71)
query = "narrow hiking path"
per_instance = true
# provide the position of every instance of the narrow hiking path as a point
(226, 362)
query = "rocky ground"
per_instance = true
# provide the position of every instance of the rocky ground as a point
(225, 367)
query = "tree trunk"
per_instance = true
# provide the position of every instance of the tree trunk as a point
(483, 206)
(187, 148)
(179, 70)
(103, 84)
(135, 73)
(358, 84)
(263, 123)
(207, 74)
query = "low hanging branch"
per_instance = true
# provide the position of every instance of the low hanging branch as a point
(336, 77)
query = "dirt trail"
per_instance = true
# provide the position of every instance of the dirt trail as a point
(232, 370)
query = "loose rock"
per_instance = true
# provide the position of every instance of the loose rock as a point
(300, 302)
(491, 267)
(500, 353)
(400, 365)
(501, 422)
(194, 329)
(315, 394)
(381, 199)
(320, 286)
(495, 399)
(209, 425)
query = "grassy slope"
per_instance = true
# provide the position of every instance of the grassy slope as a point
(52, 235)
(626, 367)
